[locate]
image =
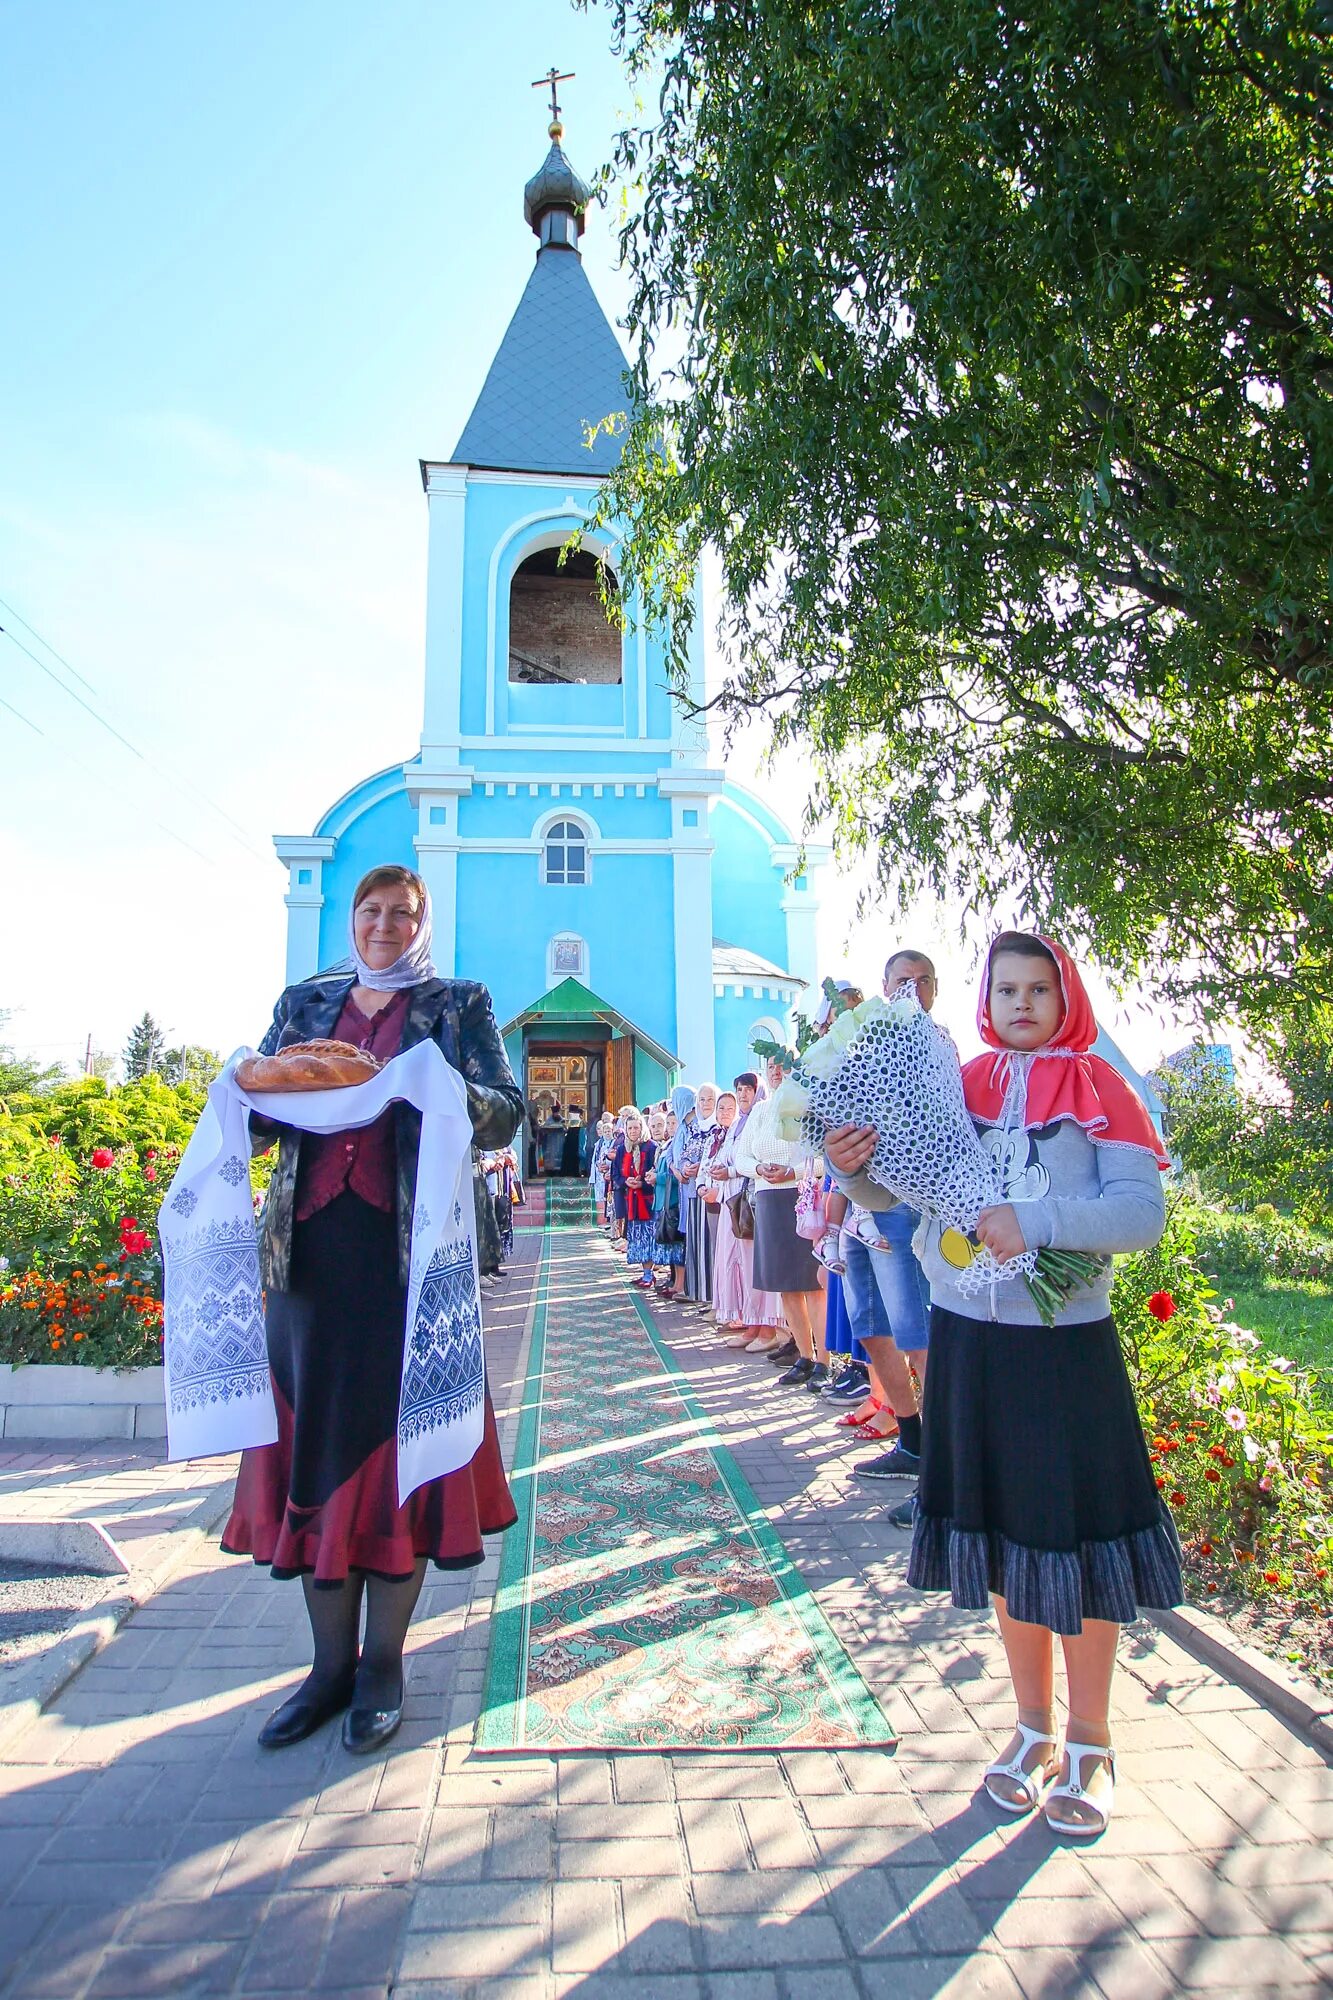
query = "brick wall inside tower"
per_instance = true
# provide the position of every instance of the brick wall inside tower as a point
(559, 631)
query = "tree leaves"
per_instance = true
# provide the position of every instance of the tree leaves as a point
(1001, 377)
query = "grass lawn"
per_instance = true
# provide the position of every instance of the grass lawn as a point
(1290, 1318)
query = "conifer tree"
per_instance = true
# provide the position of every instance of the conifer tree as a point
(144, 1050)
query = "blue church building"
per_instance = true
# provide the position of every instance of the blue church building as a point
(636, 914)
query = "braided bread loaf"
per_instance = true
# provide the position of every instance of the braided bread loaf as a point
(309, 1066)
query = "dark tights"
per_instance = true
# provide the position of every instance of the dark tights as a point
(335, 1619)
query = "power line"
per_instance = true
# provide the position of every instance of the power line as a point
(49, 647)
(196, 794)
(21, 716)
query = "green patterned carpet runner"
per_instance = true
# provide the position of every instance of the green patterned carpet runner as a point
(644, 1602)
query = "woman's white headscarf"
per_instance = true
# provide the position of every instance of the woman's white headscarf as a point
(705, 1124)
(413, 968)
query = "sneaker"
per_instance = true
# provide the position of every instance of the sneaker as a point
(904, 1514)
(785, 1351)
(895, 1464)
(817, 1380)
(798, 1374)
(851, 1386)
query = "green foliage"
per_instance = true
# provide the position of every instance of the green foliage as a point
(145, 1049)
(1261, 1246)
(19, 1075)
(83, 1172)
(992, 349)
(1249, 1151)
(1242, 1451)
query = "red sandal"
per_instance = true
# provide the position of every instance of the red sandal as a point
(851, 1422)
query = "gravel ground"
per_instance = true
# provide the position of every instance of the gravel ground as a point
(38, 1601)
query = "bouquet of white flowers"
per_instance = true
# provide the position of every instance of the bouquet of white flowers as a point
(885, 1063)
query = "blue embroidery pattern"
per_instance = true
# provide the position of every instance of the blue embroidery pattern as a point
(443, 1374)
(184, 1202)
(215, 1312)
(233, 1171)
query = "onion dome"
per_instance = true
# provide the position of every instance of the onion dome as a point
(555, 198)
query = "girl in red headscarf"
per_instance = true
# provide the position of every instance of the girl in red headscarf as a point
(1036, 1488)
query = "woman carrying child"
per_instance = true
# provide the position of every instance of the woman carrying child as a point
(1036, 1485)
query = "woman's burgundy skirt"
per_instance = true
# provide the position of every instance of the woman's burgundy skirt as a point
(323, 1500)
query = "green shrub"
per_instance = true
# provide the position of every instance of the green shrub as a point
(1242, 1453)
(83, 1172)
(1261, 1245)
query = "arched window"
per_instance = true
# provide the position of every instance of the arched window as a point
(559, 633)
(766, 1030)
(565, 854)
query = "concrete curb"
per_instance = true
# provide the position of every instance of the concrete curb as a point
(26, 1689)
(1297, 1702)
(70, 1544)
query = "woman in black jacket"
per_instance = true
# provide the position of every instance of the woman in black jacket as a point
(335, 1245)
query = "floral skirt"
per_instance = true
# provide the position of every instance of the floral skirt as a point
(641, 1246)
(1036, 1484)
(323, 1500)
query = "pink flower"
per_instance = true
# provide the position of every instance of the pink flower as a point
(1234, 1417)
(150, 1173)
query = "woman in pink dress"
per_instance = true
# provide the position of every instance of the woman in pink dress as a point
(750, 1319)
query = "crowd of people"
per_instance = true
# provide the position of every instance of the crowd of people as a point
(1023, 1469)
(1023, 1475)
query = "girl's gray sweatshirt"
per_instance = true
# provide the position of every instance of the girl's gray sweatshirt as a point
(1068, 1194)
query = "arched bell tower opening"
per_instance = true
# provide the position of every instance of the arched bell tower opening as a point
(559, 631)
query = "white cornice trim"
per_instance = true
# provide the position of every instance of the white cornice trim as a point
(692, 784)
(578, 482)
(303, 847)
(582, 742)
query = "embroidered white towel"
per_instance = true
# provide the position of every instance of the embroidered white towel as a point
(219, 1395)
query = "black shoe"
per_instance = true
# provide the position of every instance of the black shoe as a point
(817, 1380)
(785, 1351)
(303, 1715)
(895, 1464)
(799, 1373)
(364, 1729)
(904, 1514)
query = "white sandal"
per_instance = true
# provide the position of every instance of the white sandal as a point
(1073, 1788)
(1030, 1783)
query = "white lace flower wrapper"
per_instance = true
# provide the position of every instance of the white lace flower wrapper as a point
(895, 1070)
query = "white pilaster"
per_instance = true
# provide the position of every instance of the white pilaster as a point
(437, 843)
(446, 490)
(692, 901)
(800, 907)
(304, 856)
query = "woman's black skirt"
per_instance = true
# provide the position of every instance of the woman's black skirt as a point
(1035, 1480)
(323, 1500)
(783, 1261)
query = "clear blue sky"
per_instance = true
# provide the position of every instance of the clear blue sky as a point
(256, 259)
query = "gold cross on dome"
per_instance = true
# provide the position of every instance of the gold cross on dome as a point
(552, 78)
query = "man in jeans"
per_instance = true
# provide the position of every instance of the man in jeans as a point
(898, 1334)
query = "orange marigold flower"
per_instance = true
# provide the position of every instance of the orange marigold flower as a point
(1212, 1475)
(1271, 1576)
(1244, 1555)
(1161, 1485)
(1177, 1500)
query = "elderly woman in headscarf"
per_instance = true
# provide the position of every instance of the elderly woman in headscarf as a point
(698, 1279)
(669, 1193)
(335, 1247)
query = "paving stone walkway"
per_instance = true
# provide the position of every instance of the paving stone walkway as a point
(148, 1847)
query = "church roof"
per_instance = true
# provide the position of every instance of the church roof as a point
(572, 1001)
(558, 371)
(732, 962)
